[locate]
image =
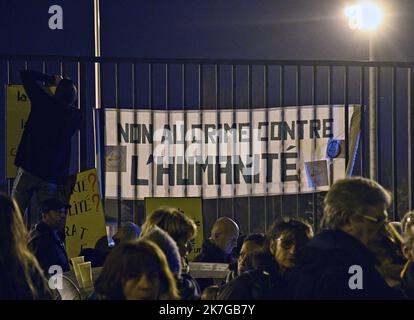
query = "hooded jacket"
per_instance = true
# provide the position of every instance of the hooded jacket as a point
(211, 253)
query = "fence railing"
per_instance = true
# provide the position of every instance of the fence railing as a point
(205, 84)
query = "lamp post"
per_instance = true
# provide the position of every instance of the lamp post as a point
(367, 16)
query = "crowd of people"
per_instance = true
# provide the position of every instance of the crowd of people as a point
(357, 253)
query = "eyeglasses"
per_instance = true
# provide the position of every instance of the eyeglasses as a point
(380, 220)
(409, 220)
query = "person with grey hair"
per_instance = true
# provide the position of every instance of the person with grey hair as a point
(407, 223)
(337, 263)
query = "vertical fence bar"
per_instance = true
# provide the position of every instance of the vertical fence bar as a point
(298, 142)
(410, 138)
(377, 120)
(362, 121)
(167, 104)
(218, 121)
(218, 104)
(184, 104)
(330, 93)
(9, 72)
(282, 148)
(314, 192)
(79, 133)
(118, 120)
(150, 104)
(394, 144)
(233, 104)
(9, 79)
(346, 94)
(251, 155)
(134, 106)
(200, 106)
(373, 129)
(82, 93)
(100, 140)
(266, 106)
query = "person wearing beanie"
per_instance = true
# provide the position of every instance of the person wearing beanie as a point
(168, 246)
(47, 237)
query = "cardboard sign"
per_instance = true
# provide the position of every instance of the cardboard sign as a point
(85, 223)
(17, 112)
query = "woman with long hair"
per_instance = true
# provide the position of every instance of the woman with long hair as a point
(183, 230)
(21, 277)
(136, 270)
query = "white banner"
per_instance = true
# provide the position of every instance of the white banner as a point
(226, 153)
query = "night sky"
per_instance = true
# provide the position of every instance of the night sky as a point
(263, 29)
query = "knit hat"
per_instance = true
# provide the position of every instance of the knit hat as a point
(168, 246)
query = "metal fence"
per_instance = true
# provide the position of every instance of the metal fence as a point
(173, 84)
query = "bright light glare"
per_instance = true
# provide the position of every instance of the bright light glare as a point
(364, 16)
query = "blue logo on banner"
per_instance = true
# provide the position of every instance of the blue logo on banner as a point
(334, 148)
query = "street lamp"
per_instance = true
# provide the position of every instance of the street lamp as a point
(364, 15)
(367, 16)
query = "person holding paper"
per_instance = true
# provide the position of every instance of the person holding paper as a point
(218, 248)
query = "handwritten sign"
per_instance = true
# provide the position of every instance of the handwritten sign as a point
(85, 223)
(17, 112)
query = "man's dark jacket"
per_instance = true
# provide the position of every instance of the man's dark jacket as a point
(45, 146)
(48, 247)
(325, 270)
(211, 253)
